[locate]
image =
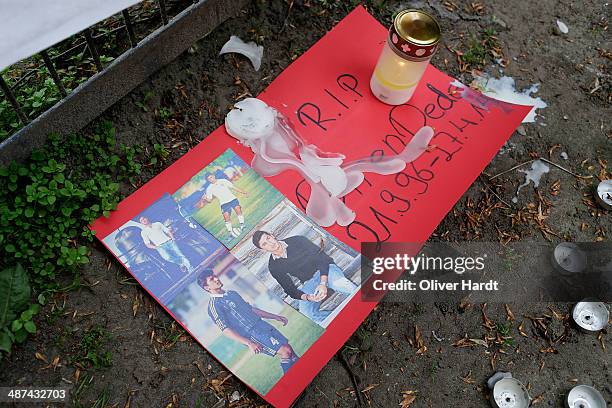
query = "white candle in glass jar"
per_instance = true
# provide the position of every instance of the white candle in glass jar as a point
(412, 41)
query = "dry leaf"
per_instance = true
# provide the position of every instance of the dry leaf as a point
(521, 330)
(450, 6)
(462, 342)
(556, 314)
(555, 188)
(492, 361)
(600, 337)
(408, 397)
(369, 387)
(418, 341)
(41, 357)
(477, 7)
(479, 342)
(468, 378)
(509, 314)
(217, 384)
(486, 322)
(537, 399)
(135, 305)
(55, 362)
(552, 149)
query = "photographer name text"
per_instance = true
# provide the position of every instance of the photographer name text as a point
(435, 285)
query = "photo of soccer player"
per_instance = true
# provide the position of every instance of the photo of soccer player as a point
(223, 190)
(242, 323)
(210, 293)
(227, 198)
(162, 248)
(301, 262)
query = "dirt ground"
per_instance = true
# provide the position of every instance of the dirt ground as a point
(154, 363)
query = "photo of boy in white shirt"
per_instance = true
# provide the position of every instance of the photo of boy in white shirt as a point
(222, 189)
(159, 237)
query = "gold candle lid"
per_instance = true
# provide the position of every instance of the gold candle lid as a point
(414, 35)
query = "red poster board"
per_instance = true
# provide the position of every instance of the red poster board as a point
(325, 93)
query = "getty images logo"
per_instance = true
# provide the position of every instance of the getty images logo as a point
(412, 264)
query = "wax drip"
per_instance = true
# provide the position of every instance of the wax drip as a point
(538, 168)
(278, 147)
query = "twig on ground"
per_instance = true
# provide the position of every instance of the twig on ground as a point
(512, 168)
(564, 169)
(286, 18)
(544, 160)
(325, 395)
(346, 366)
(495, 194)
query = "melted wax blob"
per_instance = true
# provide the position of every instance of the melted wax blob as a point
(278, 147)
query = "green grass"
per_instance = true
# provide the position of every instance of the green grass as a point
(102, 400)
(505, 330)
(261, 199)
(262, 371)
(80, 388)
(90, 350)
(480, 49)
(38, 93)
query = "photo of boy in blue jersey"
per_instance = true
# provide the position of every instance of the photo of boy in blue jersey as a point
(242, 322)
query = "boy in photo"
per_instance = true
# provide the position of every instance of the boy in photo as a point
(222, 190)
(244, 323)
(299, 258)
(159, 237)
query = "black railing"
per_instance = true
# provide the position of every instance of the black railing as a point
(149, 49)
(89, 42)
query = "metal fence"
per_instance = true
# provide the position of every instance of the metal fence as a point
(177, 32)
(90, 43)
